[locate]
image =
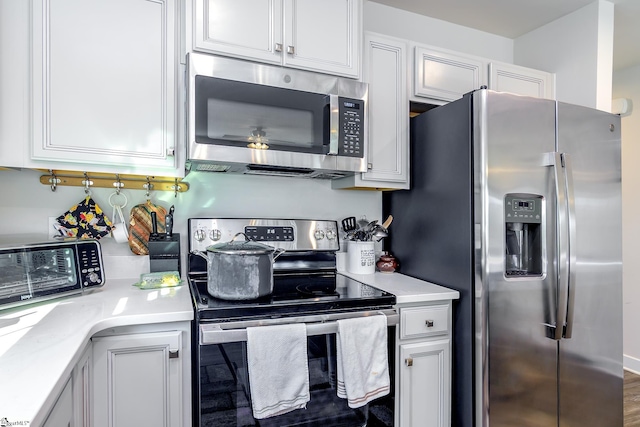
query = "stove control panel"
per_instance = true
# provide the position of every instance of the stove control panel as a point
(261, 233)
(288, 234)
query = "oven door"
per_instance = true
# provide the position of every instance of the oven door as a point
(223, 386)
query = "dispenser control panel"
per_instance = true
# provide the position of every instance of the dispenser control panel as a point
(521, 209)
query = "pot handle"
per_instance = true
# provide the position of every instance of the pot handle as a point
(246, 239)
(278, 252)
(200, 254)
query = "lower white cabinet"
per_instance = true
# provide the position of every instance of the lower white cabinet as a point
(73, 405)
(138, 380)
(424, 366)
(425, 382)
(62, 413)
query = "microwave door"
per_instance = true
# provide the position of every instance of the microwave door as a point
(243, 114)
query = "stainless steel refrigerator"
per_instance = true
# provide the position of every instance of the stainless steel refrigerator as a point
(516, 203)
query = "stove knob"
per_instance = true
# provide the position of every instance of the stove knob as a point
(215, 235)
(319, 234)
(199, 235)
(331, 234)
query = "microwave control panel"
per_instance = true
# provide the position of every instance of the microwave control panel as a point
(351, 127)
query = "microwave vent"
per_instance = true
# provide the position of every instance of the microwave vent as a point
(212, 167)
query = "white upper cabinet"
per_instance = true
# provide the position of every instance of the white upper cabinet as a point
(385, 70)
(322, 36)
(521, 80)
(14, 83)
(446, 76)
(104, 84)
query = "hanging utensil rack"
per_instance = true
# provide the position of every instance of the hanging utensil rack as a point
(55, 178)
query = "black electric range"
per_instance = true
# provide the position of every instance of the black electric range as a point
(305, 276)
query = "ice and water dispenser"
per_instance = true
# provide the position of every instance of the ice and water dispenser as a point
(523, 235)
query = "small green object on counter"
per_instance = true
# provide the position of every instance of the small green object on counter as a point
(159, 279)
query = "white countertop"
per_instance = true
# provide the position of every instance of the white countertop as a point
(406, 289)
(41, 343)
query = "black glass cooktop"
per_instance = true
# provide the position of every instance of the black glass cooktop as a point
(293, 295)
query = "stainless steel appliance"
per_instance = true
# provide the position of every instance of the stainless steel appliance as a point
(260, 119)
(32, 272)
(307, 289)
(516, 204)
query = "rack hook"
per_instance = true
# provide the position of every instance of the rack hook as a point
(118, 184)
(53, 180)
(87, 184)
(176, 187)
(148, 186)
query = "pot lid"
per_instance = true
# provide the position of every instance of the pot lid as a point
(246, 247)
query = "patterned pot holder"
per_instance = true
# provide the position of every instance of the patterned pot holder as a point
(85, 220)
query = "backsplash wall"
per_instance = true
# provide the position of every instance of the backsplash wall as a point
(27, 204)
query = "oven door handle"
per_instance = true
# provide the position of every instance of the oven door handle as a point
(220, 333)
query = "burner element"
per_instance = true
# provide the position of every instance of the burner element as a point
(318, 291)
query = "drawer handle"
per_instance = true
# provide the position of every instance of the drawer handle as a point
(408, 361)
(429, 323)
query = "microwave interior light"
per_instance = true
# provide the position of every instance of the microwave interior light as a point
(258, 139)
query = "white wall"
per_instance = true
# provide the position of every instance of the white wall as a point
(579, 49)
(626, 84)
(430, 31)
(26, 204)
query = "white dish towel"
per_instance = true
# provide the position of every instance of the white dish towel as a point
(363, 365)
(278, 369)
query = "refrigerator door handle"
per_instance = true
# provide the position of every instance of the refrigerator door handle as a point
(555, 159)
(571, 254)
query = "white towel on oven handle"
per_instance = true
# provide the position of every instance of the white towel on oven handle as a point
(278, 369)
(362, 360)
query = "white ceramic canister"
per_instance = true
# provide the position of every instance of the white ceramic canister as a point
(361, 257)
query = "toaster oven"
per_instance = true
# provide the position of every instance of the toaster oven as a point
(38, 271)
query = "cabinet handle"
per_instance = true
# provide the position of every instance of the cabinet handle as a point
(291, 50)
(408, 361)
(174, 354)
(429, 323)
(171, 151)
(278, 47)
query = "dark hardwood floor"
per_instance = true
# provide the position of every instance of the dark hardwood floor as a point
(631, 399)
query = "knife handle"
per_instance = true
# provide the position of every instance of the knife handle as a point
(154, 224)
(169, 226)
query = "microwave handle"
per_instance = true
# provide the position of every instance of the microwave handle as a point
(334, 124)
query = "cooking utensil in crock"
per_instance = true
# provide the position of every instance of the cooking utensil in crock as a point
(240, 270)
(349, 224)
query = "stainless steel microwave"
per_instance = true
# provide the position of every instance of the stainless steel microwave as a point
(32, 272)
(253, 118)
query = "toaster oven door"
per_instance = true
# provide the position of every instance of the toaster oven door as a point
(36, 272)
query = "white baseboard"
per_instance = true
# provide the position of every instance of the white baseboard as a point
(631, 364)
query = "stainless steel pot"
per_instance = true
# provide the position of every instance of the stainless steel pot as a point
(240, 270)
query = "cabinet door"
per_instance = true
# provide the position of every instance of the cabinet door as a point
(14, 83)
(521, 80)
(62, 413)
(388, 116)
(103, 82)
(138, 380)
(323, 35)
(252, 29)
(446, 76)
(82, 389)
(425, 384)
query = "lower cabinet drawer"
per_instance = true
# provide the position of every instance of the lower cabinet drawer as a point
(424, 321)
